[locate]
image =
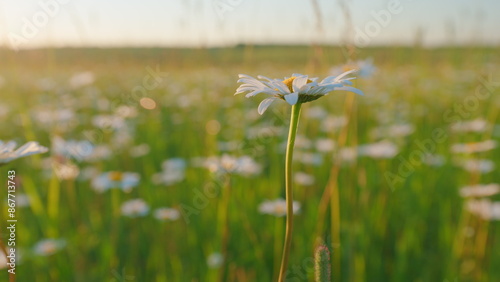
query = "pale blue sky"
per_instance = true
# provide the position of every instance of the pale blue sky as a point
(206, 23)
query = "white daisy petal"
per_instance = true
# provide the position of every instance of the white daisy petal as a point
(345, 74)
(292, 98)
(265, 104)
(281, 87)
(7, 147)
(8, 154)
(299, 82)
(264, 77)
(352, 89)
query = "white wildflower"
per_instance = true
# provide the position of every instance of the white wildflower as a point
(295, 89)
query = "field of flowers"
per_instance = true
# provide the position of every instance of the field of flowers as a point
(155, 171)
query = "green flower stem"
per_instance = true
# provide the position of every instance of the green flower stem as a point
(294, 123)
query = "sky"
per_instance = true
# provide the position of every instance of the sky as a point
(207, 23)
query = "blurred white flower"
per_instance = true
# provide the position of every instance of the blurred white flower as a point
(303, 178)
(380, 150)
(295, 89)
(115, 179)
(308, 158)
(215, 260)
(316, 112)
(65, 170)
(434, 160)
(139, 150)
(8, 154)
(325, 145)
(247, 166)
(135, 208)
(126, 111)
(62, 118)
(122, 138)
(480, 190)
(166, 214)
(81, 79)
(88, 173)
(478, 165)
(277, 207)
(243, 165)
(78, 150)
(184, 101)
(332, 123)
(173, 171)
(396, 130)
(229, 146)
(365, 68)
(48, 247)
(99, 152)
(22, 200)
(257, 132)
(348, 154)
(302, 142)
(109, 122)
(476, 125)
(484, 208)
(475, 147)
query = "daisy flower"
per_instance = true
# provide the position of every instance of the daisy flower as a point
(478, 165)
(480, 190)
(474, 147)
(303, 178)
(116, 179)
(365, 68)
(48, 247)
(22, 200)
(379, 150)
(244, 165)
(484, 208)
(8, 154)
(135, 208)
(298, 88)
(164, 214)
(215, 260)
(277, 207)
(81, 79)
(477, 125)
(71, 148)
(173, 171)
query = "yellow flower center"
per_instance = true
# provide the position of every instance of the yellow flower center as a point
(279, 209)
(115, 176)
(289, 82)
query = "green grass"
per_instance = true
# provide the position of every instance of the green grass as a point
(409, 232)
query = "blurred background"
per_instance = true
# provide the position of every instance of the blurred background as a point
(155, 171)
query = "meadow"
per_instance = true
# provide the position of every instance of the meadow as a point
(157, 172)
